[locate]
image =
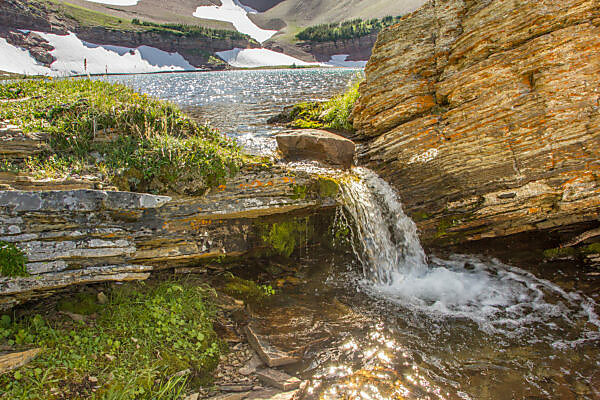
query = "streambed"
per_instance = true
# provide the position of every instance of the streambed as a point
(382, 319)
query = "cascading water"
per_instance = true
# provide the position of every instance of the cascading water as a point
(499, 298)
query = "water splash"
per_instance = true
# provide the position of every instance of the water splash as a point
(499, 298)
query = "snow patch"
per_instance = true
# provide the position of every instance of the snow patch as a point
(339, 60)
(236, 13)
(74, 55)
(16, 60)
(250, 58)
(116, 2)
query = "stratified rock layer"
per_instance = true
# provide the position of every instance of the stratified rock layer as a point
(85, 236)
(485, 115)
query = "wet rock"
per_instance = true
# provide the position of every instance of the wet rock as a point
(314, 144)
(278, 379)
(11, 361)
(251, 365)
(272, 356)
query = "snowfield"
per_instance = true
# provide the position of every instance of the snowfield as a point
(250, 58)
(232, 11)
(71, 54)
(339, 60)
(19, 61)
(116, 2)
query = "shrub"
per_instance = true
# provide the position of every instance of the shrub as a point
(12, 260)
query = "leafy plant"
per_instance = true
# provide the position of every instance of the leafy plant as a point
(134, 348)
(12, 260)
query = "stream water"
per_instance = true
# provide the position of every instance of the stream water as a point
(385, 320)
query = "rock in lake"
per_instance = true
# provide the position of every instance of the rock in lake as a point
(314, 144)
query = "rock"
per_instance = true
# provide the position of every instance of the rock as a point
(231, 396)
(488, 125)
(235, 388)
(270, 355)
(73, 237)
(193, 396)
(314, 144)
(278, 379)
(251, 365)
(102, 298)
(12, 361)
(73, 316)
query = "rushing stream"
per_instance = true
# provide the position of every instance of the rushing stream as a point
(385, 320)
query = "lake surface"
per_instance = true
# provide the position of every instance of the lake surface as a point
(386, 320)
(240, 102)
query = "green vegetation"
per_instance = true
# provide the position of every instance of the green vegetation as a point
(246, 290)
(193, 31)
(133, 349)
(12, 260)
(560, 252)
(129, 140)
(345, 30)
(328, 187)
(283, 237)
(334, 114)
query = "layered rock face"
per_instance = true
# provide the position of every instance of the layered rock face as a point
(86, 236)
(357, 49)
(485, 115)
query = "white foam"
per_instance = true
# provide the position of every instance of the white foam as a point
(233, 11)
(499, 298)
(251, 58)
(340, 60)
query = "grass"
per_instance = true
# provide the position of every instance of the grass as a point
(12, 260)
(129, 140)
(334, 114)
(133, 349)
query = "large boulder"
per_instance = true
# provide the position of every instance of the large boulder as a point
(485, 115)
(314, 144)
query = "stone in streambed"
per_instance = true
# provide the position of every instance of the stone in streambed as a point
(272, 356)
(314, 144)
(278, 379)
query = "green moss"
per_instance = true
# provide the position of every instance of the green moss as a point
(300, 192)
(80, 303)
(12, 260)
(560, 252)
(283, 237)
(418, 216)
(144, 335)
(246, 290)
(328, 187)
(592, 248)
(450, 222)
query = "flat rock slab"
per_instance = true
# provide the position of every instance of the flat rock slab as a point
(272, 356)
(11, 361)
(314, 144)
(278, 379)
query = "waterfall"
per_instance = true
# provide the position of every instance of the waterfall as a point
(389, 237)
(498, 297)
